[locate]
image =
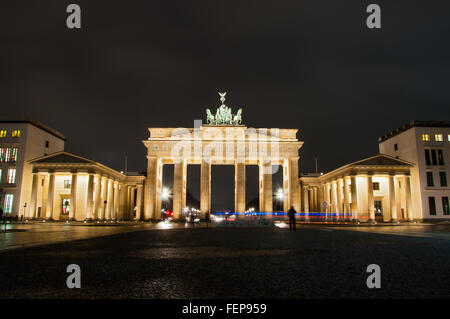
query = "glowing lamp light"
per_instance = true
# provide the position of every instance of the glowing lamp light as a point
(165, 194)
(280, 194)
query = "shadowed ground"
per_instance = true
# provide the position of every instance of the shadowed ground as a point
(314, 262)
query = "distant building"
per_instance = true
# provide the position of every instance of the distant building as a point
(21, 141)
(427, 145)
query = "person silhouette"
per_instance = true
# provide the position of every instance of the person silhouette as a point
(291, 214)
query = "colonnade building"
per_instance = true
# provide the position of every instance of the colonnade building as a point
(69, 187)
(375, 188)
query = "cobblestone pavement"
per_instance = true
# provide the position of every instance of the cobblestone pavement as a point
(314, 262)
(20, 235)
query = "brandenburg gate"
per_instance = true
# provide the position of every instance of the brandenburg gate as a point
(223, 141)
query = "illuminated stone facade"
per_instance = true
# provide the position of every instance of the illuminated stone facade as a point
(209, 145)
(70, 187)
(376, 188)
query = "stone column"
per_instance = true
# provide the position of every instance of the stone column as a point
(261, 186)
(321, 198)
(370, 202)
(97, 198)
(73, 196)
(139, 202)
(184, 185)
(90, 197)
(123, 201)
(116, 201)
(346, 199)
(101, 214)
(334, 200)
(316, 199)
(354, 191)
(306, 201)
(128, 203)
(409, 211)
(339, 198)
(150, 188)
(398, 197)
(267, 188)
(327, 199)
(132, 202)
(239, 187)
(50, 197)
(158, 188)
(286, 186)
(109, 200)
(391, 198)
(205, 187)
(294, 183)
(179, 188)
(34, 194)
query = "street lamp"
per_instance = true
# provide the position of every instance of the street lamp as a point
(165, 194)
(280, 196)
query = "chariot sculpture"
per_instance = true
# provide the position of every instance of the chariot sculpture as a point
(223, 114)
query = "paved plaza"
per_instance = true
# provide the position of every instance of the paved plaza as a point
(148, 261)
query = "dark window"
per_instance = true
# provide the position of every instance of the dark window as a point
(46, 144)
(445, 205)
(440, 157)
(432, 205)
(396, 147)
(433, 157)
(427, 157)
(376, 186)
(443, 178)
(430, 181)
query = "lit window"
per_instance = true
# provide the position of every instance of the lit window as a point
(425, 137)
(8, 203)
(15, 133)
(8, 154)
(11, 179)
(3, 133)
(67, 183)
(2, 154)
(438, 137)
(14, 152)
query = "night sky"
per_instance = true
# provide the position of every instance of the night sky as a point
(311, 65)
